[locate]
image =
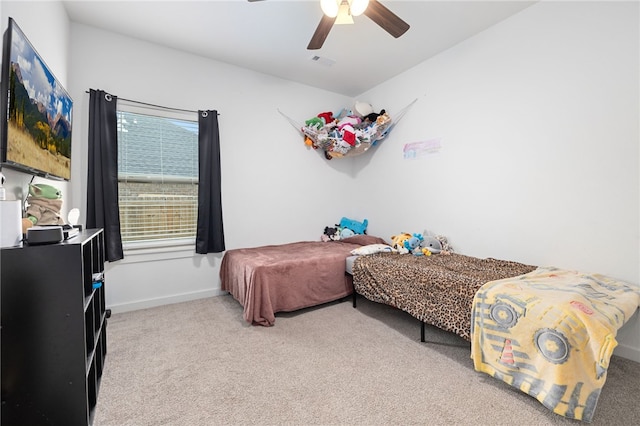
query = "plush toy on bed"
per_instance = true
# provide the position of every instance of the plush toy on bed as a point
(346, 233)
(331, 234)
(397, 242)
(413, 245)
(436, 244)
(354, 225)
(346, 228)
(431, 244)
(336, 234)
(444, 242)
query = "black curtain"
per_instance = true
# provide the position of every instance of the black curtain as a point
(102, 181)
(210, 233)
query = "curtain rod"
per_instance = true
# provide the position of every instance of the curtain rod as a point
(154, 105)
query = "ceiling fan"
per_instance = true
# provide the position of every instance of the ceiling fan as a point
(336, 11)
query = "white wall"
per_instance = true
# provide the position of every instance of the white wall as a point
(538, 124)
(48, 31)
(274, 189)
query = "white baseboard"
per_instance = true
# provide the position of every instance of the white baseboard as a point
(159, 301)
(628, 352)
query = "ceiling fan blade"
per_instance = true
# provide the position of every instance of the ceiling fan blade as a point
(388, 20)
(318, 38)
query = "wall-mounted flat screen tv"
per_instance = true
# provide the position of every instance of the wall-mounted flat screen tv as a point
(35, 112)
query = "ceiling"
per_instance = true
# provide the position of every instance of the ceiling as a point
(271, 36)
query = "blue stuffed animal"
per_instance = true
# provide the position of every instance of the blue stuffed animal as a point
(413, 244)
(346, 233)
(354, 225)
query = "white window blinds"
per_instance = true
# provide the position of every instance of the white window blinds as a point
(157, 175)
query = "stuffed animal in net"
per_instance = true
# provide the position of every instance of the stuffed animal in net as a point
(44, 203)
(373, 117)
(314, 123)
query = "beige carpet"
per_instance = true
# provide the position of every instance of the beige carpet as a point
(199, 363)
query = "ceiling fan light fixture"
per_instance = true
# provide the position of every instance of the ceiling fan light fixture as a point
(344, 17)
(330, 7)
(342, 12)
(358, 7)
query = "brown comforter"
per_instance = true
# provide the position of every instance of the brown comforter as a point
(287, 277)
(437, 289)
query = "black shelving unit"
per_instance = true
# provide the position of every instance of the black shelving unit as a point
(53, 331)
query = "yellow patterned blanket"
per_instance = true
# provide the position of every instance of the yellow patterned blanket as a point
(551, 334)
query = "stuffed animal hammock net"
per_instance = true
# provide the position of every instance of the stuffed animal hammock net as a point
(347, 135)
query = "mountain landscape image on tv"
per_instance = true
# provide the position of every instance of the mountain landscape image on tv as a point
(38, 111)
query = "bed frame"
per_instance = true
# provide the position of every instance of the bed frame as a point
(354, 295)
(423, 325)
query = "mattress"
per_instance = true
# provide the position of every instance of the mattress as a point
(349, 264)
(288, 277)
(436, 289)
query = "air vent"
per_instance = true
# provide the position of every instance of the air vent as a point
(324, 61)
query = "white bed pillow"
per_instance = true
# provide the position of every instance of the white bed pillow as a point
(372, 248)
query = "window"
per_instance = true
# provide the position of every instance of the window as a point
(157, 176)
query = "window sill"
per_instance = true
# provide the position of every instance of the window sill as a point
(158, 251)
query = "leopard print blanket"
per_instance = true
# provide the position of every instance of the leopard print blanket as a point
(437, 289)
